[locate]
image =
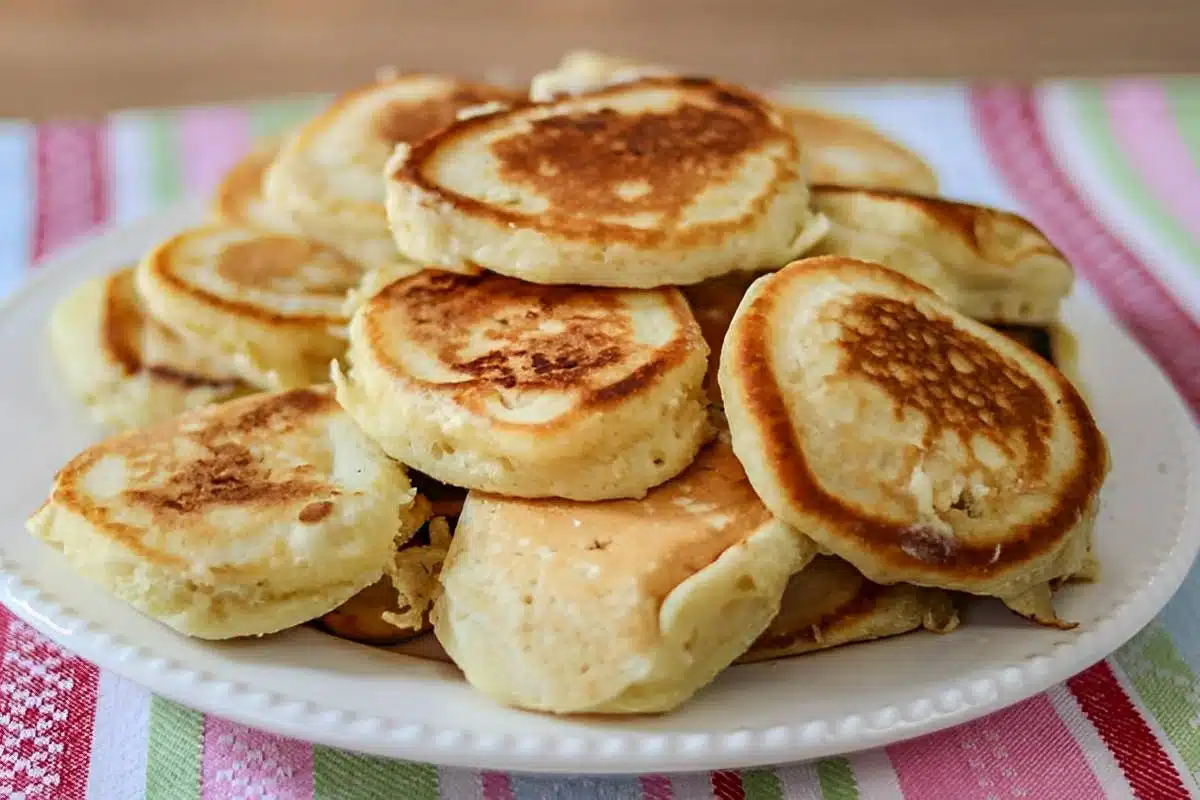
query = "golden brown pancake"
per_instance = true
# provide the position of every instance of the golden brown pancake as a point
(714, 302)
(625, 606)
(504, 386)
(850, 152)
(239, 197)
(910, 440)
(238, 519)
(829, 603)
(655, 182)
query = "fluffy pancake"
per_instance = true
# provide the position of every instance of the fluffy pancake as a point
(919, 445)
(654, 182)
(992, 265)
(328, 175)
(582, 71)
(239, 519)
(829, 603)
(270, 303)
(127, 368)
(850, 152)
(239, 197)
(623, 606)
(490, 383)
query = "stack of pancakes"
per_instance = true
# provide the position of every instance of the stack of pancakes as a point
(611, 384)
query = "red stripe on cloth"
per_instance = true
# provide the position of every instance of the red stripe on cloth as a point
(71, 197)
(47, 704)
(1008, 123)
(1137, 750)
(727, 785)
(495, 786)
(656, 787)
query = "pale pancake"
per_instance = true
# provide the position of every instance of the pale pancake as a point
(829, 604)
(239, 197)
(984, 462)
(842, 150)
(328, 175)
(991, 265)
(626, 606)
(269, 303)
(655, 182)
(490, 383)
(582, 71)
(239, 519)
(128, 369)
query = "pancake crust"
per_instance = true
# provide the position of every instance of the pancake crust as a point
(127, 368)
(490, 383)
(239, 519)
(270, 303)
(239, 197)
(991, 265)
(655, 182)
(327, 176)
(985, 463)
(626, 606)
(845, 151)
(829, 603)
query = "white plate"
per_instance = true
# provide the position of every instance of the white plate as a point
(311, 686)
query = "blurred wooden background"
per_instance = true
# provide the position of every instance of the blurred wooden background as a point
(87, 56)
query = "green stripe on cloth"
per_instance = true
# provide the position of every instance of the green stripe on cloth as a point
(338, 774)
(173, 751)
(277, 117)
(837, 779)
(1183, 97)
(1094, 125)
(761, 784)
(166, 174)
(1166, 686)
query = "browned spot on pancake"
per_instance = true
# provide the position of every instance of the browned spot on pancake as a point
(315, 512)
(407, 121)
(189, 380)
(287, 264)
(927, 545)
(925, 363)
(606, 162)
(534, 337)
(242, 185)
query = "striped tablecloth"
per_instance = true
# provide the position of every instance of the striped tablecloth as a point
(1111, 172)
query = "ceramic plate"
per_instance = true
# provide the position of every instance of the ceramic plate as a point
(311, 686)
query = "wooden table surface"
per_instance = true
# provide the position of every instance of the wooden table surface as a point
(82, 57)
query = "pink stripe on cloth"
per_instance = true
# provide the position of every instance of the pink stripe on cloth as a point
(1023, 751)
(71, 196)
(1008, 123)
(1145, 127)
(242, 762)
(212, 139)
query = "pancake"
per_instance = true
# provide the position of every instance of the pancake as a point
(660, 181)
(917, 444)
(991, 265)
(327, 176)
(829, 604)
(239, 519)
(626, 606)
(582, 71)
(842, 150)
(494, 384)
(269, 303)
(713, 303)
(239, 197)
(128, 369)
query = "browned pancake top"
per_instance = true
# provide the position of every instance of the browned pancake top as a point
(125, 329)
(242, 185)
(606, 162)
(926, 363)
(991, 390)
(408, 121)
(180, 470)
(507, 334)
(275, 264)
